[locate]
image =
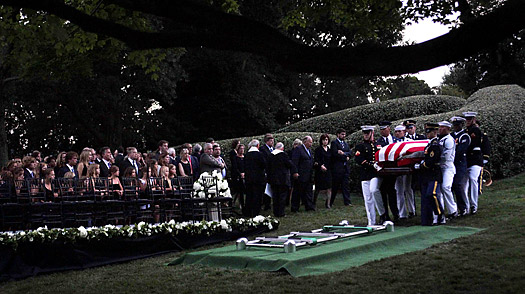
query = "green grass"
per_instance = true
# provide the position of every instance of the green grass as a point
(488, 262)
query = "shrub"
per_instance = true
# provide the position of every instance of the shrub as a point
(501, 110)
(352, 118)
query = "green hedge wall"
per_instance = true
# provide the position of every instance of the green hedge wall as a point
(352, 118)
(501, 110)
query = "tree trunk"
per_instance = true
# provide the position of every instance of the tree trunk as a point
(4, 151)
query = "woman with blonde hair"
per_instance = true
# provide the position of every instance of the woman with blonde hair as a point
(83, 164)
(60, 161)
(164, 174)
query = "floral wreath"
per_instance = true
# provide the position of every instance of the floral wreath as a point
(206, 190)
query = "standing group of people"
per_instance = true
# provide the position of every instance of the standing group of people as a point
(268, 174)
(453, 163)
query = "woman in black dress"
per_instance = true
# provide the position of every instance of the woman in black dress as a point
(238, 175)
(323, 176)
(49, 176)
(185, 167)
(83, 164)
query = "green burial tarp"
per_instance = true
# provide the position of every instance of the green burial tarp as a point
(328, 257)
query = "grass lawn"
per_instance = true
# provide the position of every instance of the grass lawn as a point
(491, 261)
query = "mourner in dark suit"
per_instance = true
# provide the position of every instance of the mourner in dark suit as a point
(254, 174)
(131, 161)
(71, 163)
(266, 149)
(208, 163)
(279, 167)
(303, 159)
(29, 163)
(105, 163)
(340, 167)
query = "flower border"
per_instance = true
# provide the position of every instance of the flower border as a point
(142, 229)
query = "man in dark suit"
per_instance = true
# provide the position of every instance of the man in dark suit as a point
(131, 161)
(340, 167)
(255, 181)
(303, 159)
(119, 157)
(105, 162)
(71, 163)
(208, 163)
(387, 183)
(266, 149)
(278, 170)
(29, 163)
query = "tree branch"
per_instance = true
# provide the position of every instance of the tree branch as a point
(206, 27)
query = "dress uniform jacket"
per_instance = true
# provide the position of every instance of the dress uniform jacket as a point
(474, 154)
(364, 157)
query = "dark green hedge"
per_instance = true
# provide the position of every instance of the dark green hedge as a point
(352, 118)
(501, 110)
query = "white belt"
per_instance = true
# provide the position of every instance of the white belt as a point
(476, 148)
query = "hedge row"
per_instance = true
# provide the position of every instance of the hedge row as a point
(501, 110)
(352, 118)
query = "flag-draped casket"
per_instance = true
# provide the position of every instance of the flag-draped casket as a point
(402, 153)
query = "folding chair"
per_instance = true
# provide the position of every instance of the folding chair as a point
(115, 204)
(85, 203)
(194, 207)
(131, 196)
(156, 192)
(13, 214)
(42, 212)
(171, 204)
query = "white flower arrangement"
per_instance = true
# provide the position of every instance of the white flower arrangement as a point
(206, 190)
(142, 229)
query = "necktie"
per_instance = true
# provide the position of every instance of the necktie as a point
(109, 164)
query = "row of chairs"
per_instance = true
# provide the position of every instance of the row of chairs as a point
(25, 204)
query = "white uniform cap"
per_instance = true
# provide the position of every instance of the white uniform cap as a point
(400, 128)
(457, 119)
(367, 128)
(444, 124)
(470, 114)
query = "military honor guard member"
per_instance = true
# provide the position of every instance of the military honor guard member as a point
(403, 182)
(474, 159)
(430, 177)
(364, 157)
(448, 170)
(460, 183)
(410, 125)
(387, 183)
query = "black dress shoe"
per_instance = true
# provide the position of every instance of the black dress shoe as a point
(411, 215)
(452, 215)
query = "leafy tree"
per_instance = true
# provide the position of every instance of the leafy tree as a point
(196, 24)
(402, 86)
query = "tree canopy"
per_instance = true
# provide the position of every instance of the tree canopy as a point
(189, 23)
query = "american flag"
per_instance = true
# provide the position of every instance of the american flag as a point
(403, 153)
